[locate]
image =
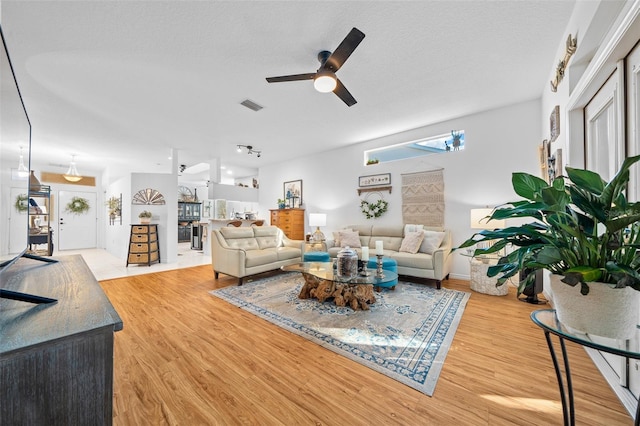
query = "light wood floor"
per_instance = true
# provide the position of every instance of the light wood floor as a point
(188, 358)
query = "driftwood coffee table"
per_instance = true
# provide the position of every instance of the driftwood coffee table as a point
(321, 283)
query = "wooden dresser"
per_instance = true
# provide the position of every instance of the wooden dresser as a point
(143, 245)
(291, 221)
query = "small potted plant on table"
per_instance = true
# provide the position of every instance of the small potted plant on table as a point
(145, 216)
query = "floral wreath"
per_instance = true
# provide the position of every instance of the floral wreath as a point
(21, 203)
(376, 209)
(77, 205)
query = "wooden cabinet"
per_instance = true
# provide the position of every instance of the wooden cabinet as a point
(56, 361)
(188, 213)
(143, 245)
(291, 221)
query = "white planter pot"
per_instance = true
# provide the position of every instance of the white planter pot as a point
(606, 311)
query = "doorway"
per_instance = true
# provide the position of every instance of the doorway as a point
(76, 230)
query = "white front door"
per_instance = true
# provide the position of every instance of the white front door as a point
(76, 230)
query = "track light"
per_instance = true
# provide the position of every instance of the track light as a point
(250, 150)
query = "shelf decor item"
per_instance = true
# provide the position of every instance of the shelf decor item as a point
(145, 216)
(586, 233)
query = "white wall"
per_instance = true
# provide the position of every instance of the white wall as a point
(117, 235)
(498, 142)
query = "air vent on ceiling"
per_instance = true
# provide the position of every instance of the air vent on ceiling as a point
(251, 105)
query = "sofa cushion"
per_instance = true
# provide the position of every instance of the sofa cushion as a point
(349, 239)
(260, 257)
(286, 253)
(410, 260)
(240, 232)
(411, 241)
(243, 244)
(431, 241)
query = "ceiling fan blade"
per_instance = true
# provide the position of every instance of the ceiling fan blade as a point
(344, 94)
(294, 77)
(344, 50)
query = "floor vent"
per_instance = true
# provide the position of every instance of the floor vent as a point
(251, 105)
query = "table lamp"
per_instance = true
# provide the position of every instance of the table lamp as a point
(479, 219)
(318, 220)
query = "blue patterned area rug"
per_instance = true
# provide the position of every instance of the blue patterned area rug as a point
(405, 335)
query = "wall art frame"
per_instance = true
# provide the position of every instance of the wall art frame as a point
(375, 180)
(554, 123)
(293, 193)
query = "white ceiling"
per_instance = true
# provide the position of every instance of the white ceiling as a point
(123, 82)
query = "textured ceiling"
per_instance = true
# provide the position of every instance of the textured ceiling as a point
(123, 82)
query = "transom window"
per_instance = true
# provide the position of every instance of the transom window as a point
(439, 144)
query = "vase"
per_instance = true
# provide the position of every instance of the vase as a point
(145, 220)
(606, 311)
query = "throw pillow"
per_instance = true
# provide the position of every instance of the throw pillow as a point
(431, 241)
(411, 242)
(350, 239)
(336, 237)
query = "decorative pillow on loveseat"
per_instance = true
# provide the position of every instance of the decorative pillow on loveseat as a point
(431, 241)
(411, 242)
(349, 238)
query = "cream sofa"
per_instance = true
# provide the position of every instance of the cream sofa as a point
(434, 266)
(250, 250)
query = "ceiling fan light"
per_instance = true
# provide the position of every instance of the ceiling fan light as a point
(325, 82)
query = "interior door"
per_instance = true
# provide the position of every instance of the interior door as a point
(605, 151)
(632, 72)
(76, 230)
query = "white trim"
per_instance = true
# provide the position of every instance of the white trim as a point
(624, 394)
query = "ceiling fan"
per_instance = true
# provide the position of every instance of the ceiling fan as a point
(325, 80)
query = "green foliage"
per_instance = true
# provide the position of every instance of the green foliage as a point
(376, 209)
(145, 213)
(21, 203)
(582, 227)
(77, 205)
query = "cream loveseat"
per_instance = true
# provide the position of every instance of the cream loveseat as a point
(250, 250)
(432, 260)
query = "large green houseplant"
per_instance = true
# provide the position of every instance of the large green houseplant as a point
(582, 228)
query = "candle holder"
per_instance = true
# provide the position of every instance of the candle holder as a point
(365, 272)
(379, 273)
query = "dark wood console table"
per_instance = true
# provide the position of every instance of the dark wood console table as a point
(56, 360)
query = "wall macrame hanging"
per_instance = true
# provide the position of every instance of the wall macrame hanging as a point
(423, 198)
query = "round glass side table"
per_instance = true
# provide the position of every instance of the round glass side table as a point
(547, 320)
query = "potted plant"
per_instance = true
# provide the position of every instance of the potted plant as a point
(281, 203)
(586, 233)
(145, 216)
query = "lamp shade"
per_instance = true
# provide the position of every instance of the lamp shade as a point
(479, 220)
(317, 219)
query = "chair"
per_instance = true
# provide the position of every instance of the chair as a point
(257, 223)
(235, 223)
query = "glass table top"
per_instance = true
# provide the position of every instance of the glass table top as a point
(548, 321)
(324, 270)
